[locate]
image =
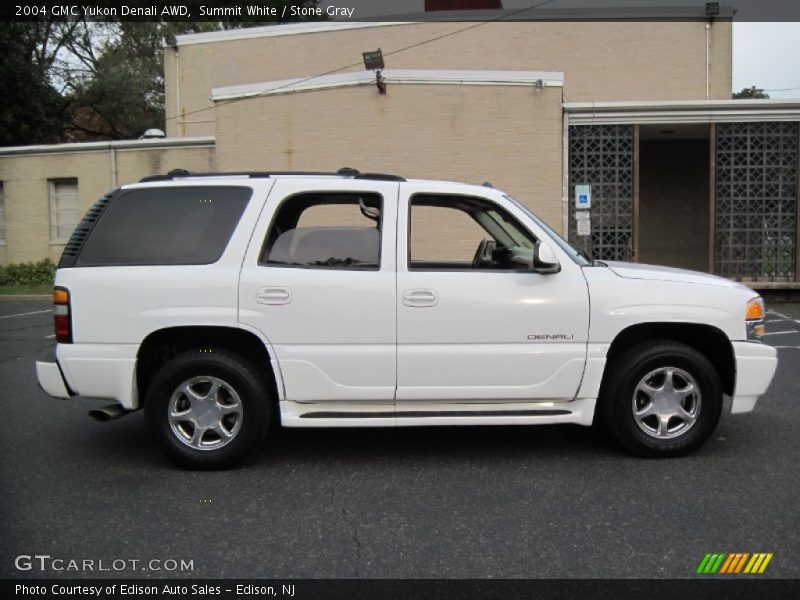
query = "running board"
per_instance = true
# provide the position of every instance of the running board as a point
(384, 414)
(431, 413)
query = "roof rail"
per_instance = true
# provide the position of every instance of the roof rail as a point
(343, 172)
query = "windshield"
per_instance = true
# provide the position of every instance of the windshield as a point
(574, 253)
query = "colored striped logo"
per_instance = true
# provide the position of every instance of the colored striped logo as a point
(737, 562)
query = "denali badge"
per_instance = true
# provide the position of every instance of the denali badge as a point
(551, 336)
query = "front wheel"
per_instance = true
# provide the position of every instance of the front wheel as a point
(661, 399)
(208, 409)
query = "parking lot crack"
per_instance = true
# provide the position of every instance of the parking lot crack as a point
(351, 523)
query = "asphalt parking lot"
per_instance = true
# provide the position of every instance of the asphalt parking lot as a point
(502, 502)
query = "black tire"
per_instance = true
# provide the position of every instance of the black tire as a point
(247, 382)
(617, 398)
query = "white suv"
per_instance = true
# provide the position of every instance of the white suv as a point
(222, 303)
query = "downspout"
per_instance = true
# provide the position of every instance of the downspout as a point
(112, 154)
(565, 172)
(708, 60)
(178, 90)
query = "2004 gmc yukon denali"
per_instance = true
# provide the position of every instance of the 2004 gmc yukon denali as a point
(222, 302)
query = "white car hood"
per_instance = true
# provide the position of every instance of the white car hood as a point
(657, 273)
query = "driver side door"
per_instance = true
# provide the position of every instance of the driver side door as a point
(473, 330)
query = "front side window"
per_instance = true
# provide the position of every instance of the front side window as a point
(63, 208)
(322, 230)
(166, 226)
(466, 233)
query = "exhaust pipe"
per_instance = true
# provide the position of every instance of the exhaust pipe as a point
(108, 413)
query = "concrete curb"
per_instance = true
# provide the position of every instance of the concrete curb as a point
(25, 297)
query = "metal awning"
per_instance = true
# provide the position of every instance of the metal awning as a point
(680, 111)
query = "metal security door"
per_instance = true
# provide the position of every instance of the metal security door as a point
(602, 156)
(756, 201)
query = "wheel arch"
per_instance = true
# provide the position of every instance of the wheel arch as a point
(706, 339)
(162, 345)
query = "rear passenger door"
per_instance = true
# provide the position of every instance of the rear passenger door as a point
(319, 283)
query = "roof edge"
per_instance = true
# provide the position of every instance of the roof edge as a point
(151, 144)
(277, 30)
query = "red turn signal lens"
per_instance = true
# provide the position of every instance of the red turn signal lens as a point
(62, 319)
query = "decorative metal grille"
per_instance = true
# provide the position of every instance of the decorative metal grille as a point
(602, 156)
(756, 200)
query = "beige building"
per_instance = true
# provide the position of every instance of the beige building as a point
(47, 189)
(638, 110)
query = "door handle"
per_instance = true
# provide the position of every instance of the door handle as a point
(420, 298)
(273, 295)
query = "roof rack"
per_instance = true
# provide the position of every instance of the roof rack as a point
(343, 172)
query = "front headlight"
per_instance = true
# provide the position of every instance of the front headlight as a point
(754, 316)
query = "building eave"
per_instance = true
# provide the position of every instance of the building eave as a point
(278, 30)
(391, 76)
(681, 111)
(151, 144)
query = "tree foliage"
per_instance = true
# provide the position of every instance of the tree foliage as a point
(89, 80)
(750, 93)
(32, 111)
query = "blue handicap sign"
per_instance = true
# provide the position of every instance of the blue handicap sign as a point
(583, 199)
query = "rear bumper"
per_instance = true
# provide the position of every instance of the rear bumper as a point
(51, 380)
(93, 371)
(755, 367)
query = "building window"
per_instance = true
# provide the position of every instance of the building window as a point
(63, 209)
(2, 215)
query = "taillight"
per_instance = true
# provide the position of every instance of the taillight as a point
(61, 315)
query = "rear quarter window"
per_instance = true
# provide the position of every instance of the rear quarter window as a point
(166, 226)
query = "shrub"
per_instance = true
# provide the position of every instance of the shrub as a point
(41, 272)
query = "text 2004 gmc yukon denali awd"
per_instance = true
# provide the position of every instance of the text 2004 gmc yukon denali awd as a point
(222, 303)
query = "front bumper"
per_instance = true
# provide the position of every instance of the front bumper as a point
(755, 367)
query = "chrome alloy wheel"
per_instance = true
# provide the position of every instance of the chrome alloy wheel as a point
(666, 402)
(205, 413)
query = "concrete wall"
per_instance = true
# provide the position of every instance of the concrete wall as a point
(600, 60)
(25, 182)
(510, 136)
(674, 202)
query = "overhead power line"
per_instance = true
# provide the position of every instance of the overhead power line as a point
(350, 66)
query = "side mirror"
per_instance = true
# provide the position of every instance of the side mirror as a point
(544, 260)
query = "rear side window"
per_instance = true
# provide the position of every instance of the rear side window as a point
(166, 226)
(326, 231)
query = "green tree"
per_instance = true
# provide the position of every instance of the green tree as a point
(749, 93)
(113, 73)
(84, 80)
(32, 111)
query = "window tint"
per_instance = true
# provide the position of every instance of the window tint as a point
(462, 232)
(326, 230)
(166, 226)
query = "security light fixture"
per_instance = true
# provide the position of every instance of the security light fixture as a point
(373, 61)
(712, 9)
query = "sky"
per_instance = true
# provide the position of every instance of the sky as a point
(765, 54)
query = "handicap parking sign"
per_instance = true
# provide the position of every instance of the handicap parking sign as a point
(583, 196)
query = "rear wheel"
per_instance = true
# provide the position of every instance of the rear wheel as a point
(208, 409)
(661, 399)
